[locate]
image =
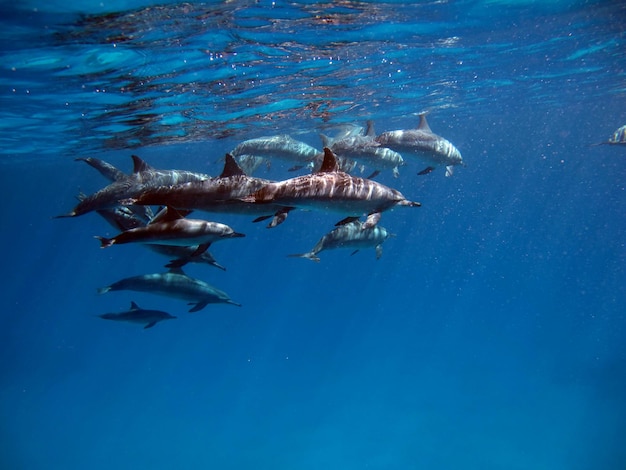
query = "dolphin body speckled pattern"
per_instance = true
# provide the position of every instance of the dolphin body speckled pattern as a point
(333, 190)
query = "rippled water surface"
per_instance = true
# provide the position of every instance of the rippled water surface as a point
(489, 335)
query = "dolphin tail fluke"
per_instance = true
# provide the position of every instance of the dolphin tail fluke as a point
(104, 290)
(312, 256)
(105, 242)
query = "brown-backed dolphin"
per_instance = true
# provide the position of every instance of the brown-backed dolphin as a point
(333, 190)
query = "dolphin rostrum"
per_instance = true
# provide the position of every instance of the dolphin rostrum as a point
(350, 235)
(139, 315)
(174, 283)
(423, 144)
(333, 190)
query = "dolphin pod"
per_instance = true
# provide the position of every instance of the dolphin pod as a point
(327, 185)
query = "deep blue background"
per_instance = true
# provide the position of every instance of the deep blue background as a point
(490, 335)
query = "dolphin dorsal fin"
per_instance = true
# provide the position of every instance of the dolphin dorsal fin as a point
(169, 214)
(369, 130)
(133, 306)
(140, 165)
(423, 125)
(330, 162)
(231, 167)
(325, 140)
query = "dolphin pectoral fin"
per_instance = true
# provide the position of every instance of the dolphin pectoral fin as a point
(177, 263)
(379, 251)
(261, 218)
(426, 170)
(374, 174)
(346, 221)
(150, 325)
(201, 249)
(354, 252)
(197, 306)
(449, 170)
(372, 220)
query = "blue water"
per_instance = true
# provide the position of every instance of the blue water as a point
(490, 335)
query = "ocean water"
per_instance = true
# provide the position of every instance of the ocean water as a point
(490, 335)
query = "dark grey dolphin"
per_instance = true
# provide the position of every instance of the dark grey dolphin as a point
(174, 283)
(173, 229)
(351, 235)
(333, 190)
(139, 315)
(222, 194)
(423, 144)
(142, 178)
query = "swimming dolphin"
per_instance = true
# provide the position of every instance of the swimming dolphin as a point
(107, 170)
(350, 235)
(364, 148)
(142, 178)
(222, 194)
(423, 144)
(139, 315)
(282, 146)
(174, 283)
(333, 190)
(618, 137)
(173, 229)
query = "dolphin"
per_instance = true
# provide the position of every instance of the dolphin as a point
(423, 144)
(173, 229)
(281, 146)
(618, 138)
(139, 315)
(222, 194)
(142, 178)
(332, 190)
(350, 235)
(174, 283)
(107, 170)
(364, 148)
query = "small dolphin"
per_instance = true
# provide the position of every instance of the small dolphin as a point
(142, 178)
(333, 190)
(424, 144)
(364, 148)
(173, 229)
(174, 283)
(139, 315)
(618, 137)
(350, 235)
